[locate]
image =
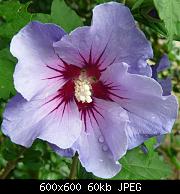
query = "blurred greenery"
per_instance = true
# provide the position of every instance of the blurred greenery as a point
(159, 20)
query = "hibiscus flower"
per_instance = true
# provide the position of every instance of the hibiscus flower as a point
(89, 92)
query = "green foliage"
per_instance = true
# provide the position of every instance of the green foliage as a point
(64, 16)
(169, 13)
(38, 162)
(137, 4)
(145, 13)
(45, 18)
(150, 145)
(61, 15)
(14, 16)
(9, 150)
(149, 11)
(6, 73)
(139, 166)
(136, 165)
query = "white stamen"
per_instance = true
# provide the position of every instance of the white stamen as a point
(83, 89)
(88, 99)
(86, 87)
(82, 98)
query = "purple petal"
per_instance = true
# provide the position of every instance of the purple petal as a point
(163, 63)
(32, 46)
(24, 121)
(113, 37)
(115, 21)
(149, 112)
(104, 139)
(63, 152)
(159, 140)
(112, 126)
(18, 121)
(166, 86)
(165, 83)
(93, 158)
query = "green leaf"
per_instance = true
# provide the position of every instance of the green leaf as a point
(7, 62)
(64, 16)
(45, 18)
(137, 165)
(150, 144)
(14, 15)
(61, 15)
(9, 150)
(32, 155)
(169, 12)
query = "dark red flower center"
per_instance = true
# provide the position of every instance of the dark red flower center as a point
(82, 85)
(85, 81)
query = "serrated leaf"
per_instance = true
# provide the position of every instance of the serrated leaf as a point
(170, 14)
(64, 16)
(136, 165)
(7, 63)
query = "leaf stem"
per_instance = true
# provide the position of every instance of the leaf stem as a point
(73, 171)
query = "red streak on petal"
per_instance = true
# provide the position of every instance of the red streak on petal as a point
(71, 71)
(93, 71)
(68, 72)
(64, 95)
(67, 91)
(84, 109)
(105, 91)
(100, 90)
(87, 111)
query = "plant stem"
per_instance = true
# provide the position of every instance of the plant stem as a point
(73, 171)
(11, 165)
